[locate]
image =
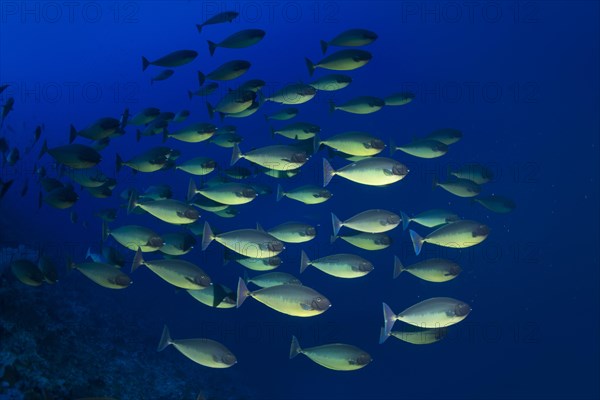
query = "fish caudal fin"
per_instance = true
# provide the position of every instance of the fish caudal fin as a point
(328, 172)
(137, 260)
(332, 239)
(280, 192)
(242, 293)
(211, 110)
(133, 201)
(236, 154)
(388, 319)
(310, 66)
(324, 46)
(207, 236)
(201, 78)
(295, 348)
(304, 261)
(89, 253)
(44, 149)
(383, 335)
(192, 190)
(336, 224)
(165, 339)
(72, 134)
(417, 241)
(405, 220)
(190, 94)
(398, 267)
(145, 63)
(212, 46)
(199, 27)
(218, 294)
(118, 162)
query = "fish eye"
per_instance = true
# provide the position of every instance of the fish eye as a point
(318, 299)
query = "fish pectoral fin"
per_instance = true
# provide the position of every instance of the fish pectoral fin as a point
(388, 172)
(305, 307)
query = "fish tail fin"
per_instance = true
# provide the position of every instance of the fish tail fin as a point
(4, 186)
(280, 192)
(199, 27)
(44, 149)
(310, 66)
(192, 190)
(332, 238)
(118, 162)
(398, 267)
(405, 220)
(212, 46)
(336, 224)
(137, 260)
(388, 319)
(145, 63)
(324, 46)
(259, 227)
(105, 231)
(211, 110)
(304, 261)
(221, 116)
(89, 253)
(266, 117)
(236, 154)
(201, 78)
(328, 172)
(190, 94)
(417, 241)
(219, 294)
(331, 106)
(133, 201)
(295, 348)
(383, 335)
(72, 133)
(242, 293)
(392, 146)
(207, 236)
(165, 339)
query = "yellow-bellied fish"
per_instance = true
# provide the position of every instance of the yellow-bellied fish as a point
(105, 275)
(477, 173)
(151, 160)
(27, 272)
(339, 265)
(167, 210)
(247, 242)
(399, 99)
(238, 40)
(459, 235)
(177, 243)
(215, 295)
(294, 300)
(198, 166)
(206, 352)
(331, 82)
(430, 218)
(366, 241)
(254, 264)
(437, 312)
(431, 270)
(350, 38)
(174, 59)
(307, 194)
(343, 60)
(422, 148)
(179, 273)
(447, 136)
(233, 102)
(298, 130)
(293, 232)
(374, 171)
(144, 117)
(355, 143)
(226, 72)
(283, 115)
(295, 93)
(359, 105)
(415, 335)
(459, 187)
(229, 193)
(277, 157)
(335, 356)
(73, 155)
(100, 129)
(370, 221)
(194, 133)
(272, 279)
(134, 237)
(496, 203)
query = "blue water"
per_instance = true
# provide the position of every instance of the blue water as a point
(519, 79)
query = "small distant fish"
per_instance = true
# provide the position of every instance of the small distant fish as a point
(437, 312)
(226, 72)
(370, 221)
(108, 215)
(164, 75)
(233, 102)
(238, 172)
(294, 300)
(422, 148)
(459, 235)
(283, 115)
(206, 90)
(476, 173)
(415, 335)
(270, 279)
(24, 190)
(6, 109)
(238, 40)
(13, 156)
(293, 232)
(151, 160)
(99, 129)
(350, 38)
(431, 218)
(229, 193)
(496, 203)
(73, 155)
(359, 105)
(399, 99)
(194, 133)
(4, 186)
(247, 242)
(431, 270)
(27, 272)
(447, 136)
(277, 157)
(144, 117)
(167, 210)
(254, 85)
(366, 241)
(459, 187)
(206, 352)
(105, 275)
(254, 264)
(331, 82)
(374, 171)
(343, 60)
(181, 116)
(339, 265)
(198, 166)
(307, 194)
(355, 143)
(174, 59)
(226, 16)
(134, 237)
(298, 131)
(62, 197)
(335, 356)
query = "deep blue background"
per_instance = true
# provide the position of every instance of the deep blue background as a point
(520, 79)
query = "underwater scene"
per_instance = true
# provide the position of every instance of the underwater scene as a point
(299, 200)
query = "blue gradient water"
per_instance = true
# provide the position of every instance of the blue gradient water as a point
(520, 79)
